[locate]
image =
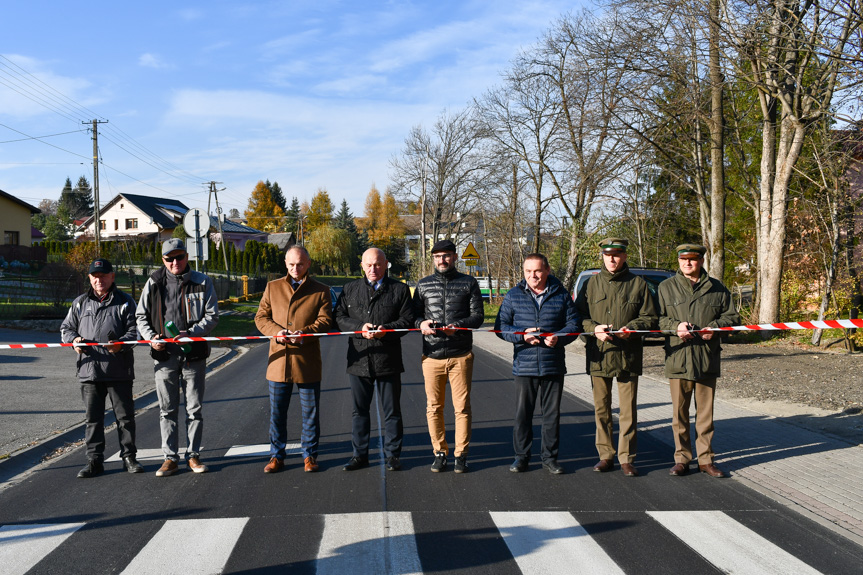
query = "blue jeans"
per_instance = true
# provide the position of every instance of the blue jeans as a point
(280, 400)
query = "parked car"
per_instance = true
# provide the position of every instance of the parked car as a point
(335, 292)
(653, 277)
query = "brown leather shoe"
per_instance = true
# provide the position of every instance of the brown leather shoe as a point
(169, 467)
(196, 465)
(311, 465)
(604, 465)
(679, 469)
(629, 469)
(274, 466)
(711, 470)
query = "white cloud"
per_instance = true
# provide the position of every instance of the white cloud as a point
(148, 60)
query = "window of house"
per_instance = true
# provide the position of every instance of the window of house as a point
(102, 225)
(132, 224)
(11, 238)
(121, 206)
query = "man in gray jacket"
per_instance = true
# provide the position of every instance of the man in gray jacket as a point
(104, 314)
(177, 294)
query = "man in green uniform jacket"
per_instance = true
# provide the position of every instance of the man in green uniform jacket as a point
(689, 301)
(615, 299)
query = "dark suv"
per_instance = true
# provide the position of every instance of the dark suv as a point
(652, 276)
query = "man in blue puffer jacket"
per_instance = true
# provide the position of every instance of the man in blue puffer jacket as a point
(538, 304)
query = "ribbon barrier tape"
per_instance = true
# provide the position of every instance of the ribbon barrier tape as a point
(826, 324)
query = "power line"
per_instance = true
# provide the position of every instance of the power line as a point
(43, 94)
(38, 137)
(46, 143)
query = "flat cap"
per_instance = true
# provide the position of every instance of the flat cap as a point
(443, 246)
(611, 245)
(172, 245)
(100, 266)
(691, 250)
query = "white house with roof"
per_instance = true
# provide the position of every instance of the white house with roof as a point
(129, 216)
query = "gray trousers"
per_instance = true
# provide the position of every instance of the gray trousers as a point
(172, 377)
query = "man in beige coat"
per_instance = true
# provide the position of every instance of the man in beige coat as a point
(294, 305)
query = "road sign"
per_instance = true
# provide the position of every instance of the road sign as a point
(196, 222)
(198, 248)
(471, 262)
(470, 253)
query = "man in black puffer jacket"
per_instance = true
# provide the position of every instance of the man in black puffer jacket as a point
(369, 304)
(103, 314)
(443, 301)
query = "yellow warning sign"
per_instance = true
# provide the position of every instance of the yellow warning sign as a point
(470, 252)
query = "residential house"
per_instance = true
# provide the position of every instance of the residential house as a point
(146, 217)
(15, 220)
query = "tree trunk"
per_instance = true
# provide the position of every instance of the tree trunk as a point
(773, 208)
(716, 239)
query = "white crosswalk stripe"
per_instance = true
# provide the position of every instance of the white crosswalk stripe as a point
(385, 543)
(379, 543)
(193, 546)
(730, 546)
(22, 546)
(551, 542)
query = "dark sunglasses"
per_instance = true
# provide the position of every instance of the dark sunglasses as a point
(170, 259)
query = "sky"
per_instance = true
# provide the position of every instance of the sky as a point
(308, 94)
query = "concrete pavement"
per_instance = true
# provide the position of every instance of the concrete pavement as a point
(813, 473)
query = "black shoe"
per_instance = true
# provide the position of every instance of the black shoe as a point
(439, 462)
(519, 465)
(131, 464)
(393, 463)
(460, 464)
(553, 466)
(93, 469)
(356, 463)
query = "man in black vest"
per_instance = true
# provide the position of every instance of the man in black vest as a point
(375, 359)
(187, 298)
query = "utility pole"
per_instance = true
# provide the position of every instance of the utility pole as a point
(215, 195)
(97, 224)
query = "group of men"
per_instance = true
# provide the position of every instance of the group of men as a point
(175, 302)
(445, 307)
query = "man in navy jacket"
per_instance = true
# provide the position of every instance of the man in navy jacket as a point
(538, 304)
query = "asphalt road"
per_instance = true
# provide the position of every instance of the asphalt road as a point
(236, 519)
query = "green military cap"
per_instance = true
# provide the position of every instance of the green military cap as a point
(610, 245)
(691, 250)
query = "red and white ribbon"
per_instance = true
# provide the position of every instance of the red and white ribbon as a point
(826, 324)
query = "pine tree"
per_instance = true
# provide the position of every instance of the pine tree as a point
(344, 220)
(277, 195)
(83, 198)
(292, 216)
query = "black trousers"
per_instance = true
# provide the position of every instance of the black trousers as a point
(549, 389)
(94, 393)
(389, 391)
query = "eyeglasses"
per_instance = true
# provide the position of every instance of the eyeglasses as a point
(443, 256)
(170, 259)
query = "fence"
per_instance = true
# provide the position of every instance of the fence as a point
(48, 295)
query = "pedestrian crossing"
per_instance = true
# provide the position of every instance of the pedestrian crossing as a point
(547, 542)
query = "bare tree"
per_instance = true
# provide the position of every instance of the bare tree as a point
(578, 60)
(441, 167)
(797, 54)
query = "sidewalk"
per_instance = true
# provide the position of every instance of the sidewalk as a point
(812, 473)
